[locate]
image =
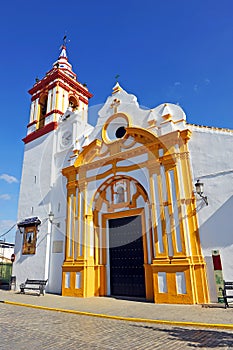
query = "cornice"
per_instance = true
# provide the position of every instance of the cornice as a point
(40, 132)
(52, 76)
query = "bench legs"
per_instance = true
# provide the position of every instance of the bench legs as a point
(22, 286)
(40, 290)
(226, 302)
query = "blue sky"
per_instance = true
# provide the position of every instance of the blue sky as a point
(178, 51)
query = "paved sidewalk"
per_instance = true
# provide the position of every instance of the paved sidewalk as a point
(216, 315)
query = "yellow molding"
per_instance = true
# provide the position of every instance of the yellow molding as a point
(167, 116)
(93, 147)
(186, 135)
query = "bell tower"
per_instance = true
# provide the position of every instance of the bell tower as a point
(52, 95)
(58, 121)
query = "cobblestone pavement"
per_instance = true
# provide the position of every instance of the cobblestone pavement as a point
(127, 308)
(25, 328)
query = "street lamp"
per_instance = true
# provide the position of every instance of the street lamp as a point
(200, 190)
(51, 217)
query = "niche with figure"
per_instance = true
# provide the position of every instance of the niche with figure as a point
(29, 240)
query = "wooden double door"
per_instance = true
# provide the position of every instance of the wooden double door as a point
(127, 276)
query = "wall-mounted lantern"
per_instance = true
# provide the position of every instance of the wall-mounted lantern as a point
(200, 190)
(51, 217)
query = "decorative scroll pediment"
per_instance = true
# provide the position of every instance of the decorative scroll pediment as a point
(99, 150)
(138, 145)
(89, 152)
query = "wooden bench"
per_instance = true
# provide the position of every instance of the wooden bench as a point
(33, 285)
(228, 286)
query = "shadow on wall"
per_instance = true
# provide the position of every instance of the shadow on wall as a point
(216, 233)
(217, 230)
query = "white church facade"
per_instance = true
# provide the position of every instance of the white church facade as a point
(113, 209)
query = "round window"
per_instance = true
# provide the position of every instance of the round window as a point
(115, 127)
(120, 132)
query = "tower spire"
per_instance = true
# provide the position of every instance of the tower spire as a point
(63, 53)
(62, 61)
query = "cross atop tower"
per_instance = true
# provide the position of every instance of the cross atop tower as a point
(63, 52)
(64, 40)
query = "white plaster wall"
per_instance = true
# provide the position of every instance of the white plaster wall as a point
(48, 193)
(34, 193)
(58, 196)
(58, 228)
(212, 163)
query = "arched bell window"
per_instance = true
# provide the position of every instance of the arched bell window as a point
(73, 103)
(42, 110)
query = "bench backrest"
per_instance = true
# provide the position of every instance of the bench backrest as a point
(43, 282)
(228, 285)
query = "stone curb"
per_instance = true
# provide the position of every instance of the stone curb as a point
(122, 318)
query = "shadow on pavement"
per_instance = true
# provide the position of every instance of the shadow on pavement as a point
(198, 338)
(137, 299)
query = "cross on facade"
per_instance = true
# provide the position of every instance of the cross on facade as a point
(115, 104)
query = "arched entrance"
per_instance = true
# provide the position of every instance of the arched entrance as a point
(122, 218)
(126, 258)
